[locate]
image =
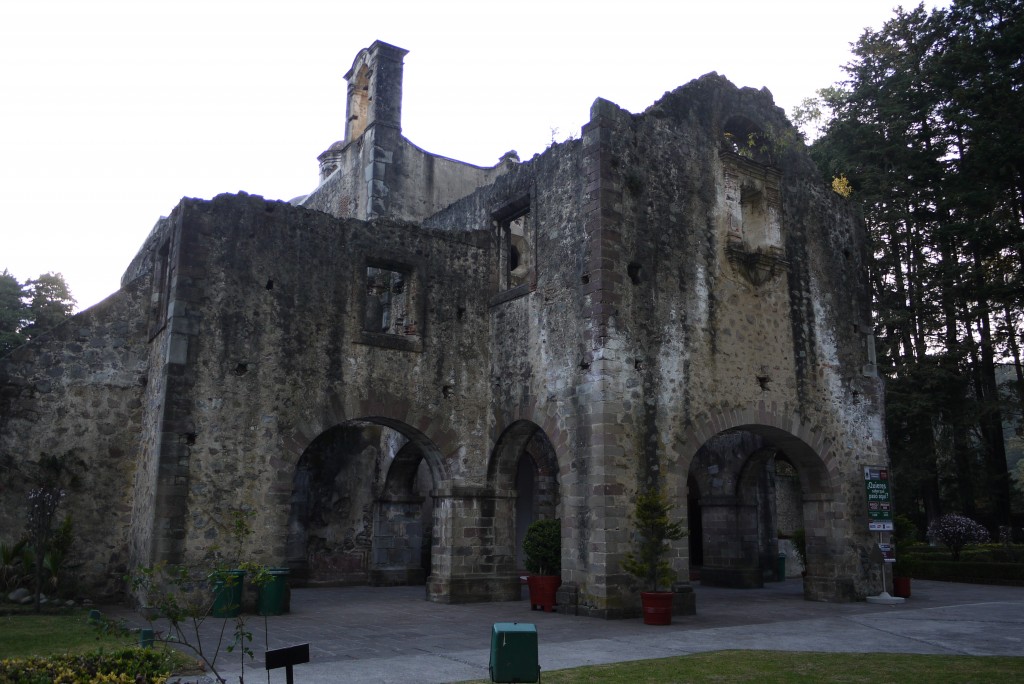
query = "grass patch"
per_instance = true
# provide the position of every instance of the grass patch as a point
(47, 636)
(783, 666)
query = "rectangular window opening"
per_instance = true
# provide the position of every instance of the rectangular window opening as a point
(389, 302)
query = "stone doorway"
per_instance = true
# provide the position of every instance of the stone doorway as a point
(361, 510)
(749, 492)
(524, 467)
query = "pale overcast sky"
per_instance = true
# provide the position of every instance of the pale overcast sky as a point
(112, 110)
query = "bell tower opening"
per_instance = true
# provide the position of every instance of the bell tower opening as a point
(374, 89)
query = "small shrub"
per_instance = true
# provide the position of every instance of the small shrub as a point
(13, 571)
(186, 597)
(655, 529)
(957, 531)
(124, 666)
(799, 539)
(543, 547)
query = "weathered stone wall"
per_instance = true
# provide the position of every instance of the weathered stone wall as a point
(404, 181)
(660, 313)
(277, 354)
(78, 392)
(673, 298)
(709, 333)
(538, 337)
(375, 171)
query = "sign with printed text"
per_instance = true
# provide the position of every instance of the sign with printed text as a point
(876, 482)
(888, 552)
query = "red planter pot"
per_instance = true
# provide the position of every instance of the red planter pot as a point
(901, 587)
(542, 591)
(657, 607)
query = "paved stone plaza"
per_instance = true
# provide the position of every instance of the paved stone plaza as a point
(391, 635)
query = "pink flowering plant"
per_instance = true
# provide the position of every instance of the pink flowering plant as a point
(957, 531)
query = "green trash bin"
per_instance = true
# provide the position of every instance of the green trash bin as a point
(227, 593)
(781, 569)
(514, 653)
(274, 594)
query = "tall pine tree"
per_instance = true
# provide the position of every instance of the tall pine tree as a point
(924, 128)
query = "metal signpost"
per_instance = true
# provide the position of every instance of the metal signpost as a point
(876, 484)
(287, 658)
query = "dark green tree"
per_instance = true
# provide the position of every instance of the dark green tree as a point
(925, 130)
(50, 303)
(655, 528)
(13, 312)
(30, 309)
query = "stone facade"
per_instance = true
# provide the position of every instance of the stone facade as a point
(399, 371)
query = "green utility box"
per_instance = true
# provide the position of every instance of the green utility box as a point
(514, 653)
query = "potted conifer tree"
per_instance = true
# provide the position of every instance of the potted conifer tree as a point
(903, 536)
(650, 565)
(543, 548)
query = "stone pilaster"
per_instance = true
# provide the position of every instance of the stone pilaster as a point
(471, 560)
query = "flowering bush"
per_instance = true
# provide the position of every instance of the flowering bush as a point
(957, 531)
(123, 666)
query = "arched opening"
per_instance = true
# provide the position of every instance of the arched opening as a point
(361, 511)
(403, 522)
(358, 104)
(789, 513)
(526, 479)
(752, 489)
(524, 464)
(695, 538)
(742, 136)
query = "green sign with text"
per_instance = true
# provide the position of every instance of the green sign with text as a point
(876, 482)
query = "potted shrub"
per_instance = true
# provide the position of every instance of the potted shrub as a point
(650, 565)
(903, 535)
(543, 548)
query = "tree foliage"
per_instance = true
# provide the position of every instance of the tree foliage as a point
(957, 531)
(655, 529)
(543, 547)
(926, 131)
(29, 309)
(13, 312)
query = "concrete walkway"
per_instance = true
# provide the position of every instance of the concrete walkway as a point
(392, 635)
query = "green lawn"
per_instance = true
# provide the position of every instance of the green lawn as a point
(777, 666)
(44, 635)
(29, 635)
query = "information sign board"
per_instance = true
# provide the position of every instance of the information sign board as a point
(876, 482)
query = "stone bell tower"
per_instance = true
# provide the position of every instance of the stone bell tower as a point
(374, 90)
(373, 135)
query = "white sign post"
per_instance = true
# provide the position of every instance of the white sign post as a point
(876, 485)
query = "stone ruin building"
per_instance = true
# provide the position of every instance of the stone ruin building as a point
(400, 371)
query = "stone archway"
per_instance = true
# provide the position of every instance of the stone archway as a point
(360, 508)
(754, 482)
(403, 522)
(524, 465)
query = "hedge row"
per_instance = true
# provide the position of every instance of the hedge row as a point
(999, 553)
(977, 572)
(123, 666)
